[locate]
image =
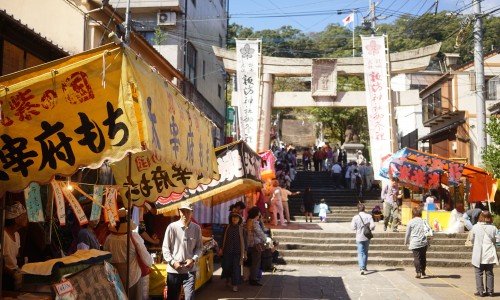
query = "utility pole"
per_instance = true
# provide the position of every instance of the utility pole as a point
(479, 70)
(127, 23)
(373, 18)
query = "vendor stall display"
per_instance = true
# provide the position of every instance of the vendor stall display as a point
(86, 274)
(100, 106)
(420, 171)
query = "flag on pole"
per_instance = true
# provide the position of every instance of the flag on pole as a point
(348, 19)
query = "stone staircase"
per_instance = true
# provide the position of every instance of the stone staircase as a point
(342, 202)
(338, 247)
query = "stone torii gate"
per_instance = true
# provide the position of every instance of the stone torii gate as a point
(400, 62)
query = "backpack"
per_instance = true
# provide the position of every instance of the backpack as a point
(358, 180)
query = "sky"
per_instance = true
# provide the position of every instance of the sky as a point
(315, 15)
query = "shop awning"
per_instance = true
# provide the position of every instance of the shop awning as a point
(95, 106)
(239, 168)
(421, 170)
(441, 130)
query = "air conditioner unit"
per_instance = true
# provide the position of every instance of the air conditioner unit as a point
(166, 18)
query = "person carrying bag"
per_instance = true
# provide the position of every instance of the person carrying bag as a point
(361, 223)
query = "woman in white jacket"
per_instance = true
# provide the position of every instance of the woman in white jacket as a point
(484, 253)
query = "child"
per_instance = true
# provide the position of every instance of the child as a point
(233, 251)
(323, 209)
(377, 213)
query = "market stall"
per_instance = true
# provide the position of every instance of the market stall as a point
(101, 106)
(239, 169)
(421, 172)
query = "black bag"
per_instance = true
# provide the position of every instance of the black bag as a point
(367, 232)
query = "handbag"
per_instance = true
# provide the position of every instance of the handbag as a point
(302, 208)
(468, 242)
(367, 232)
(260, 247)
(427, 230)
(145, 269)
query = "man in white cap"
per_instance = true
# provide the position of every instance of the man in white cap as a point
(15, 219)
(182, 247)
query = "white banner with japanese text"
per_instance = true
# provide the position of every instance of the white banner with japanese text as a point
(248, 83)
(377, 98)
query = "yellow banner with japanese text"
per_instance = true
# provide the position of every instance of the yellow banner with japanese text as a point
(174, 130)
(63, 115)
(151, 178)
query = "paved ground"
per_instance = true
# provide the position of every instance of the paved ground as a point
(345, 282)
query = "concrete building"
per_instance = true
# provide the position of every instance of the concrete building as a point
(184, 31)
(184, 57)
(449, 109)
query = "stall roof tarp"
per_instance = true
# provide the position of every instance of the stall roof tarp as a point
(85, 109)
(416, 169)
(239, 168)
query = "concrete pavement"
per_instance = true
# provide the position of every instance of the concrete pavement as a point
(345, 282)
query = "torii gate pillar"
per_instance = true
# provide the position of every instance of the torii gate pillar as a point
(266, 109)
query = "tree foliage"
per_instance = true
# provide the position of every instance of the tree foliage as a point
(405, 33)
(491, 154)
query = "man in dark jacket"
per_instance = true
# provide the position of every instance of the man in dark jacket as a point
(472, 215)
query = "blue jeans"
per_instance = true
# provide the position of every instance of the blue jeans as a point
(363, 253)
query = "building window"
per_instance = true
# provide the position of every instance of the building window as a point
(220, 41)
(191, 63)
(493, 87)
(431, 106)
(149, 36)
(203, 69)
(16, 59)
(194, 2)
(219, 91)
(222, 3)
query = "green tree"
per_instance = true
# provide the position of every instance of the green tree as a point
(491, 154)
(160, 36)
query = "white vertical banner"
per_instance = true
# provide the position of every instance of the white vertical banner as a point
(377, 99)
(247, 70)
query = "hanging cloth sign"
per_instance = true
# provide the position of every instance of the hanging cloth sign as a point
(34, 202)
(59, 200)
(96, 209)
(111, 207)
(73, 202)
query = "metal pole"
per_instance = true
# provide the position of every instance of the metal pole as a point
(353, 28)
(127, 23)
(479, 69)
(129, 205)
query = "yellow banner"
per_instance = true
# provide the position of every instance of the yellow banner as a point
(174, 130)
(64, 115)
(152, 178)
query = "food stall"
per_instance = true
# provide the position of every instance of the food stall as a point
(239, 169)
(420, 173)
(94, 107)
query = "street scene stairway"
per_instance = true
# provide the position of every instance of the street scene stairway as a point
(337, 244)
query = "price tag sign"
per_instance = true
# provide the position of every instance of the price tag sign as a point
(63, 287)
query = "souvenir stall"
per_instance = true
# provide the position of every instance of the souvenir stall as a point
(239, 169)
(98, 106)
(423, 173)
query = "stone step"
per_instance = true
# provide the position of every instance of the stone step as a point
(449, 249)
(375, 260)
(377, 240)
(374, 253)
